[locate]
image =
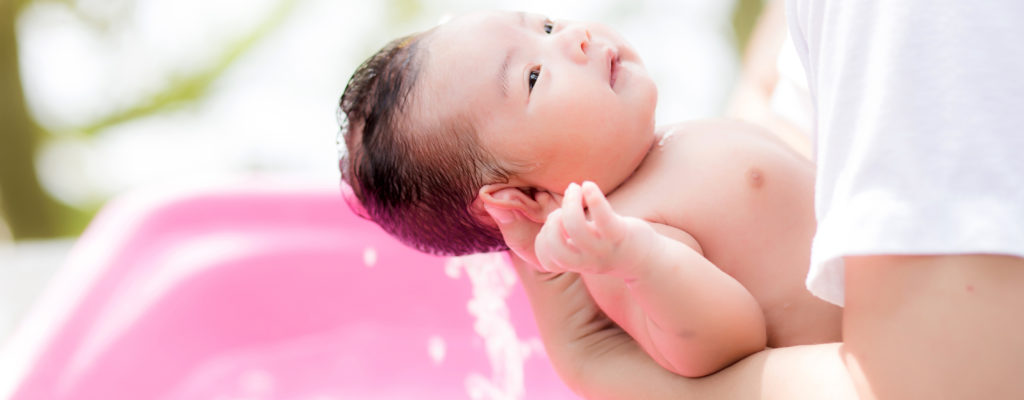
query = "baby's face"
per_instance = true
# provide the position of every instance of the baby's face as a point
(567, 101)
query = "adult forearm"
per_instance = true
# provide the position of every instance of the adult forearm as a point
(598, 360)
(571, 325)
(935, 326)
(594, 356)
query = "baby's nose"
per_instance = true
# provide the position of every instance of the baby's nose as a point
(577, 40)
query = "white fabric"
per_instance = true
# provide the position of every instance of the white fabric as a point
(918, 118)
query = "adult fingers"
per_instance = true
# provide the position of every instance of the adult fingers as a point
(518, 231)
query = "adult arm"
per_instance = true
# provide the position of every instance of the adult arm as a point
(919, 189)
(935, 326)
(598, 360)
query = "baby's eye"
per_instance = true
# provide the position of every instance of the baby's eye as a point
(533, 77)
(549, 26)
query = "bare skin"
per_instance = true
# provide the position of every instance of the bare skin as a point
(938, 327)
(737, 205)
(893, 348)
(929, 327)
(902, 341)
(732, 216)
(746, 200)
(599, 360)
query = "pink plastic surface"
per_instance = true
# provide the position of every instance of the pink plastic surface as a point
(254, 294)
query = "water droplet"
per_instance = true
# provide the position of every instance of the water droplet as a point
(370, 256)
(256, 382)
(436, 349)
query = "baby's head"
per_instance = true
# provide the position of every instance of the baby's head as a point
(503, 109)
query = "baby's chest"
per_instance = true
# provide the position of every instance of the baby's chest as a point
(747, 201)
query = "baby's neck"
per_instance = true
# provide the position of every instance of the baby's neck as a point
(661, 134)
(664, 134)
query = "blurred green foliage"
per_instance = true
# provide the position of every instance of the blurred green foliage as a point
(404, 11)
(29, 211)
(744, 17)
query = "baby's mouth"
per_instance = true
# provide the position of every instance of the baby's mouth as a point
(613, 69)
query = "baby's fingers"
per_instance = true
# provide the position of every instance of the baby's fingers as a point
(554, 250)
(601, 212)
(577, 228)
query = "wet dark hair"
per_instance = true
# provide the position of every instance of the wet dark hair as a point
(415, 180)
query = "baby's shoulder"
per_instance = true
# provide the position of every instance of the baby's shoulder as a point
(698, 168)
(713, 153)
(714, 143)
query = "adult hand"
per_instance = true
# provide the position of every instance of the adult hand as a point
(519, 231)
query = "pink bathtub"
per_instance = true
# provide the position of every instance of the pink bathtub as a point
(261, 293)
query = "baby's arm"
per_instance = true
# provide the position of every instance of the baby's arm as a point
(697, 318)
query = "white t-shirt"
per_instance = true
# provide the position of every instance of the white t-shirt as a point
(919, 128)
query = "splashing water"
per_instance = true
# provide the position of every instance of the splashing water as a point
(436, 349)
(370, 257)
(492, 280)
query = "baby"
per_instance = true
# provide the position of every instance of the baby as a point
(699, 249)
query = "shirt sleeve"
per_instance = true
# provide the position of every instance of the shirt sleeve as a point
(918, 116)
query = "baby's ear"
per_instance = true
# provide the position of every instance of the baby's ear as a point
(534, 204)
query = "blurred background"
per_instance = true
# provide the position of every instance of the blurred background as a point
(103, 96)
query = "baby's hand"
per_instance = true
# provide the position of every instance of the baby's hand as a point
(604, 243)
